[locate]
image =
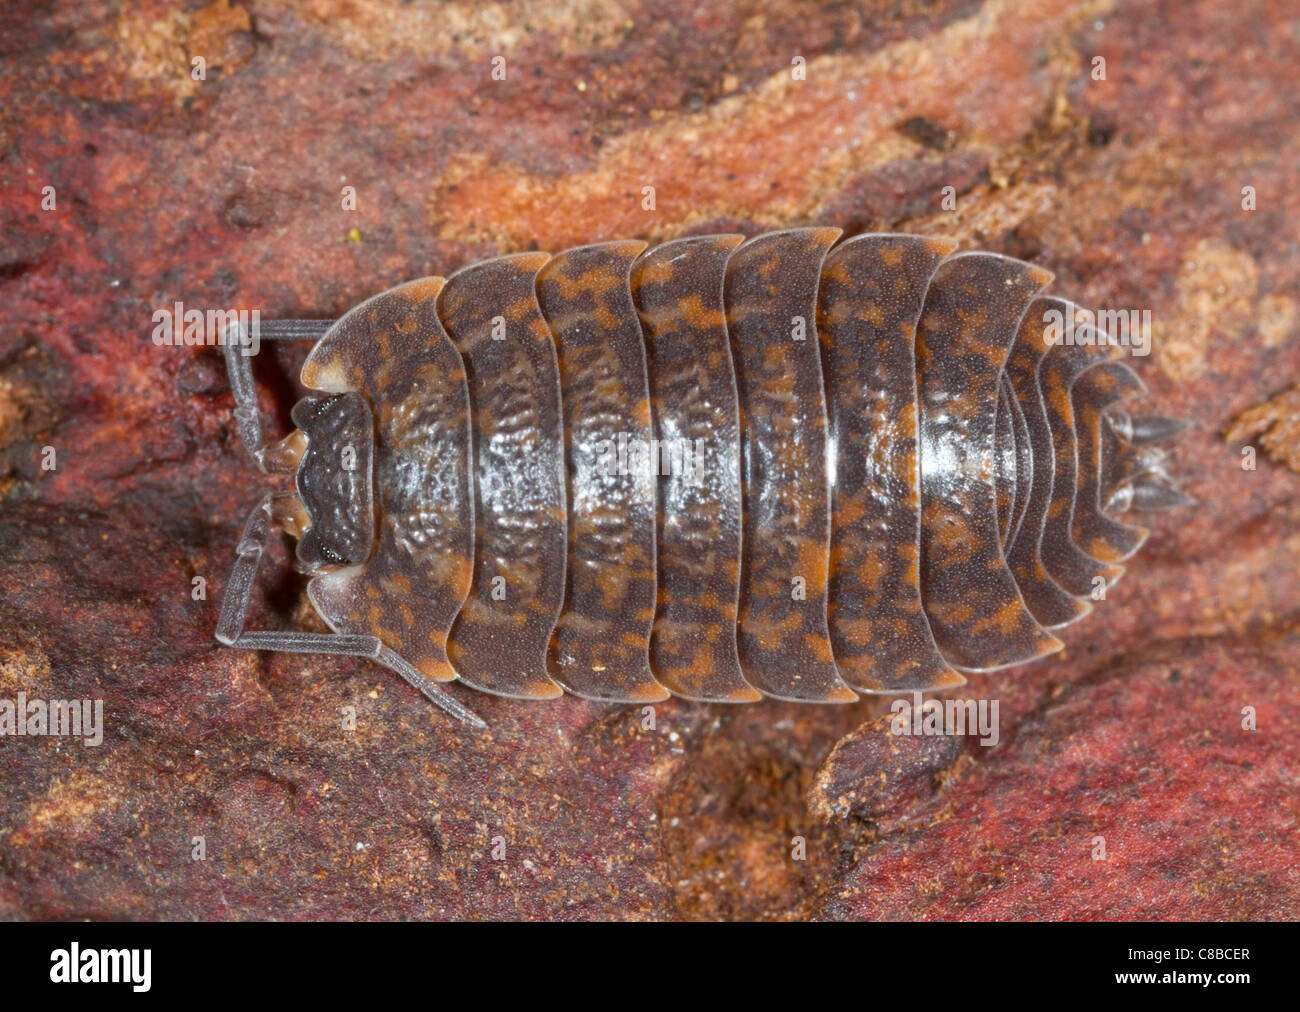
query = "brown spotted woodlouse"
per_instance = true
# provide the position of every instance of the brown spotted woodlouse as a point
(715, 468)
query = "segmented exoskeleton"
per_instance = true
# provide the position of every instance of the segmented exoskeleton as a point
(715, 468)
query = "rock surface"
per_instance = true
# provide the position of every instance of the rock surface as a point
(227, 191)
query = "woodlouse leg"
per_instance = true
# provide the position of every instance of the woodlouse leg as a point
(294, 330)
(234, 612)
(248, 416)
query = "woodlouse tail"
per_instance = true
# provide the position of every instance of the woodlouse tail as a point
(1094, 530)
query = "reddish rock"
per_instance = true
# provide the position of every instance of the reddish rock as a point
(877, 775)
(1158, 788)
(226, 192)
(1275, 425)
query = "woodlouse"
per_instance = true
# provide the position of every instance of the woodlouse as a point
(897, 475)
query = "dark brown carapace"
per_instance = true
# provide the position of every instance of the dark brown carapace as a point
(715, 468)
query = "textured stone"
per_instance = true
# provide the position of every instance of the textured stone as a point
(1275, 424)
(226, 192)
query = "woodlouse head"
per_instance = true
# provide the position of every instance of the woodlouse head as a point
(334, 480)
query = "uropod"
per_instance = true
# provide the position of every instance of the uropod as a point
(718, 468)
